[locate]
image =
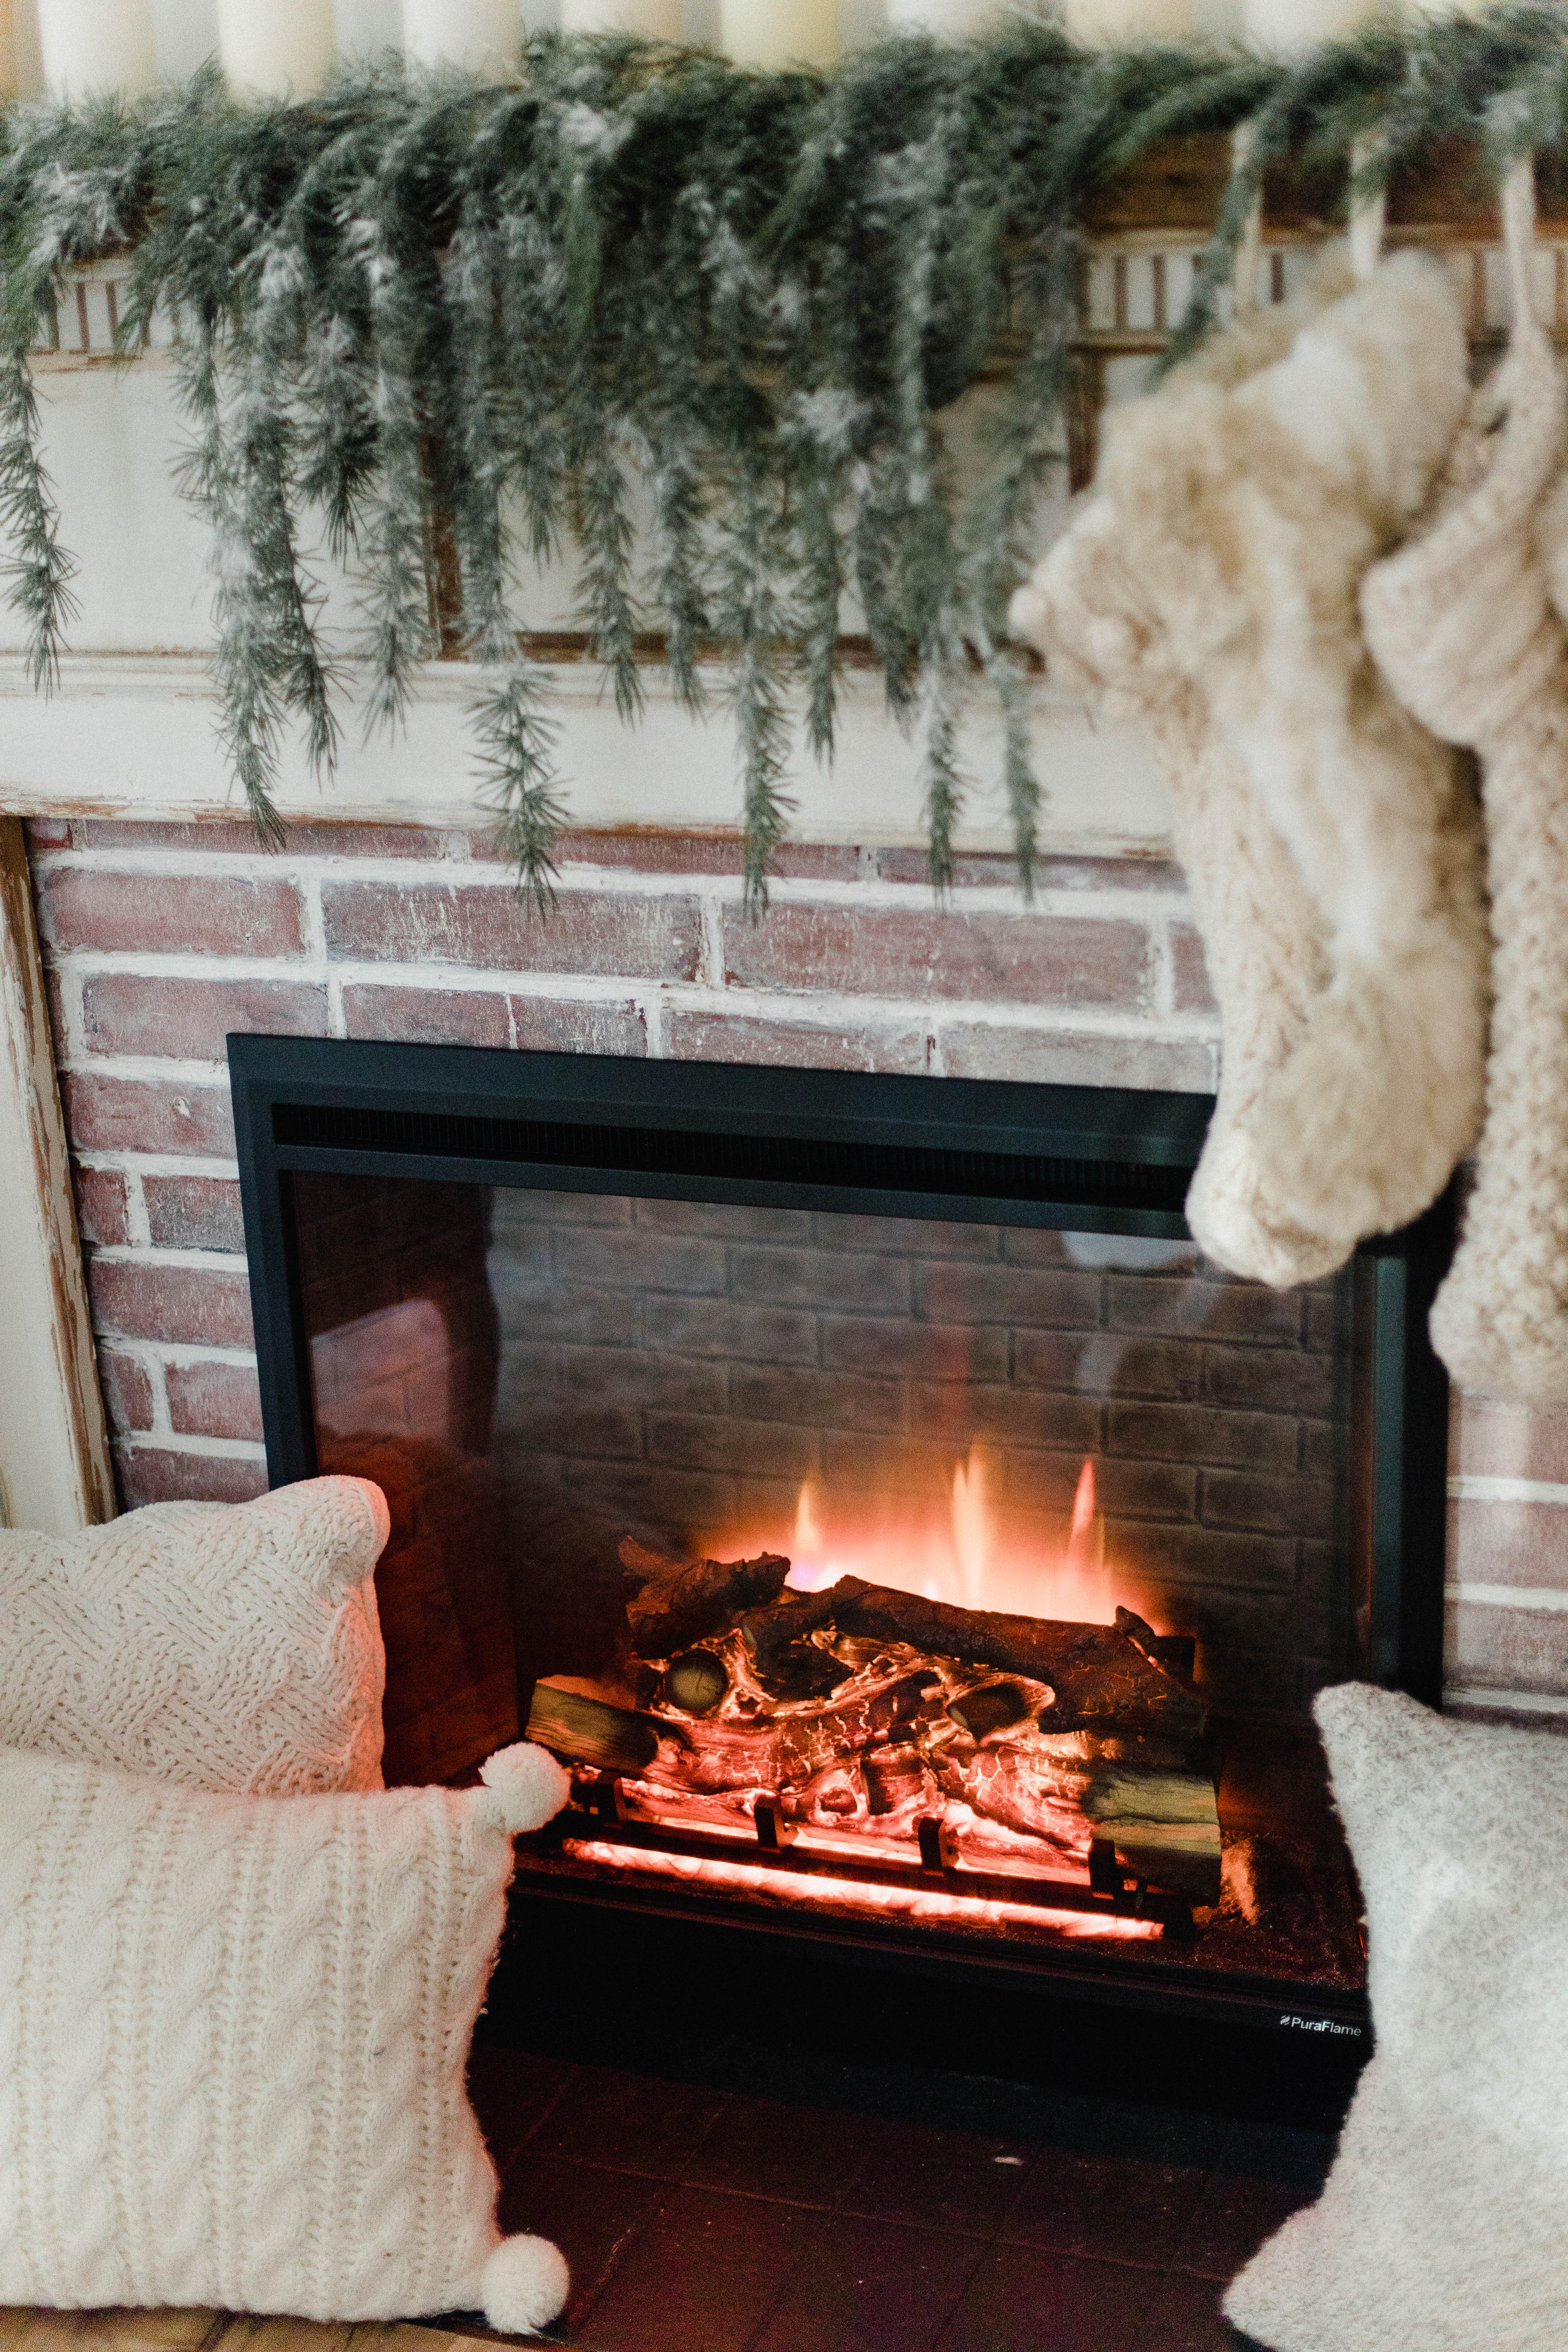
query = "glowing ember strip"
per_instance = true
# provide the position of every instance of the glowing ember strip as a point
(912, 1902)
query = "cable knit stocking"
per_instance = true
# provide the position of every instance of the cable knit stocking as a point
(1264, 940)
(1248, 513)
(1462, 627)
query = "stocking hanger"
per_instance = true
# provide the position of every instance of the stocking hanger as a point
(1249, 247)
(1368, 216)
(1368, 219)
(1519, 238)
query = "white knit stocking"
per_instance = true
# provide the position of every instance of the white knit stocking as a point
(1250, 513)
(1262, 934)
(1462, 627)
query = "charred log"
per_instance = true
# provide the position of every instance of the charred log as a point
(895, 1776)
(1100, 1676)
(589, 1732)
(674, 1603)
(994, 1707)
(1177, 1653)
(801, 1671)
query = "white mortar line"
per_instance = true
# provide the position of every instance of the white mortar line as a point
(314, 924)
(1550, 1597)
(830, 1008)
(138, 1223)
(337, 1019)
(1086, 903)
(824, 1007)
(1521, 1702)
(711, 956)
(156, 1163)
(209, 1076)
(178, 1441)
(473, 980)
(1162, 972)
(66, 1000)
(1471, 1487)
(197, 1261)
(152, 963)
(162, 1420)
(183, 1354)
(652, 1005)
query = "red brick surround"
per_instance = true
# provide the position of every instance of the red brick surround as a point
(162, 937)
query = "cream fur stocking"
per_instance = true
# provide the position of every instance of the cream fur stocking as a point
(1248, 512)
(1461, 624)
(1264, 940)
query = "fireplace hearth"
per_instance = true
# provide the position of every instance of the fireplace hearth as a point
(906, 1538)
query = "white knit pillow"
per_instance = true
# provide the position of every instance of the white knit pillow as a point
(1443, 2225)
(233, 2037)
(230, 1646)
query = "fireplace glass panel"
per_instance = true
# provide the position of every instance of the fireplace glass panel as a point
(567, 1395)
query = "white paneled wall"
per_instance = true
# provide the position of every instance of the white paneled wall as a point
(89, 45)
(185, 32)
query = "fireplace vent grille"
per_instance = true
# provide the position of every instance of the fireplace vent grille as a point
(753, 1158)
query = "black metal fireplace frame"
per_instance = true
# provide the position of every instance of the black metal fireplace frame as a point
(1090, 1158)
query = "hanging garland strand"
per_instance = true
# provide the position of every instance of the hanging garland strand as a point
(705, 332)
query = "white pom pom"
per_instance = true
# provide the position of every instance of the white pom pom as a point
(532, 1786)
(524, 2284)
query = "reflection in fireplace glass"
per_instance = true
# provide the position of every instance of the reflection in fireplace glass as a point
(980, 1574)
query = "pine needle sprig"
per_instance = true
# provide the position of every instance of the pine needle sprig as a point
(398, 634)
(753, 621)
(38, 568)
(516, 742)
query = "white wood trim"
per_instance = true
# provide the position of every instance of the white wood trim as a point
(1548, 1597)
(54, 1450)
(1472, 1487)
(1516, 1702)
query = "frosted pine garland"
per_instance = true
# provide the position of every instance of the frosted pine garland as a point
(421, 302)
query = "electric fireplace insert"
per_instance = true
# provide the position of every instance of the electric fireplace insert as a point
(906, 1538)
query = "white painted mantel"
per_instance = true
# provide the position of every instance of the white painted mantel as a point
(133, 728)
(134, 735)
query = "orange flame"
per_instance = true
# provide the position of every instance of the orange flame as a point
(1082, 1505)
(982, 1549)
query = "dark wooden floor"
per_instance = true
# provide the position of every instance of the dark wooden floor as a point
(895, 2210)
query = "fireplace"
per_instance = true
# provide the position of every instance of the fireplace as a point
(906, 1540)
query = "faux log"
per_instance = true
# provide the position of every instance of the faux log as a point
(590, 1732)
(676, 1603)
(1102, 1678)
(1164, 1825)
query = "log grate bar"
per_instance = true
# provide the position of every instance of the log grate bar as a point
(1112, 1891)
